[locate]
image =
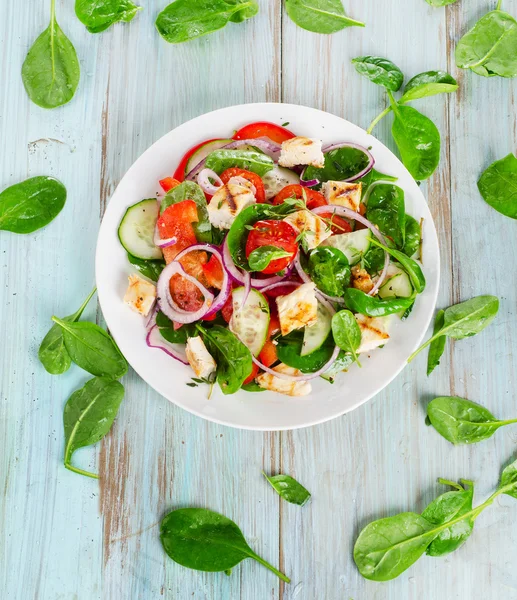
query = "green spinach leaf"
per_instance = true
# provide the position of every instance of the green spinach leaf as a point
(508, 483)
(428, 84)
(340, 164)
(346, 332)
(330, 270)
(148, 268)
(253, 386)
(204, 540)
(98, 15)
(260, 258)
(185, 20)
(89, 415)
(380, 71)
(289, 489)
(498, 186)
(289, 350)
(373, 306)
(52, 352)
(413, 236)
(174, 336)
(92, 349)
(437, 348)
(320, 16)
(257, 162)
(440, 2)
(409, 265)
(373, 176)
(386, 208)
(51, 70)
(31, 204)
(342, 363)
(188, 190)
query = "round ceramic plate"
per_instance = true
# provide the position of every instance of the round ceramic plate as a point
(264, 410)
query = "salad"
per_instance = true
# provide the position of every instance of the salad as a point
(270, 260)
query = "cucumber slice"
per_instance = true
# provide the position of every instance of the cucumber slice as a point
(277, 179)
(398, 284)
(315, 336)
(250, 321)
(203, 151)
(136, 230)
(353, 245)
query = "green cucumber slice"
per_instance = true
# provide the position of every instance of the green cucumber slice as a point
(398, 284)
(203, 151)
(250, 321)
(353, 245)
(136, 230)
(277, 179)
(314, 337)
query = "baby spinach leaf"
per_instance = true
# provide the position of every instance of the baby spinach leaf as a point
(498, 186)
(508, 483)
(89, 415)
(51, 70)
(440, 2)
(148, 268)
(342, 363)
(413, 236)
(385, 208)
(417, 139)
(188, 190)
(490, 47)
(31, 204)
(52, 352)
(260, 258)
(172, 335)
(437, 348)
(233, 359)
(465, 319)
(461, 421)
(257, 162)
(98, 15)
(204, 540)
(253, 386)
(185, 20)
(379, 70)
(330, 270)
(320, 16)
(289, 350)
(346, 332)
(92, 349)
(372, 177)
(409, 265)
(448, 507)
(289, 489)
(373, 306)
(340, 164)
(428, 84)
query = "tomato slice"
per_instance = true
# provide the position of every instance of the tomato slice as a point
(264, 129)
(260, 193)
(252, 375)
(168, 183)
(179, 173)
(337, 223)
(227, 309)
(314, 198)
(213, 271)
(273, 233)
(176, 221)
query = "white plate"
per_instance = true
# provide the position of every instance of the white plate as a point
(265, 410)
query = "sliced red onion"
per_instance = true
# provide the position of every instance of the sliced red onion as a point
(151, 318)
(324, 302)
(154, 339)
(203, 180)
(306, 279)
(247, 286)
(309, 183)
(350, 214)
(226, 287)
(163, 243)
(371, 159)
(167, 304)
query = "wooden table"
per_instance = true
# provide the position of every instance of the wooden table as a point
(67, 537)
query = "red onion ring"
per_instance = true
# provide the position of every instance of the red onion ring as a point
(304, 376)
(203, 180)
(247, 286)
(350, 214)
(306, 279)
(151, 318)
(309, 183)
(154, 339)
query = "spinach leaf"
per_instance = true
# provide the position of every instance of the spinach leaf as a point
(204, 540)
(372, 177)
(185, 20)
(342, 363)
(417, 139)
(508, 483)
(89, 415)
(330, 270)
(92, 349)
(174, 336)
(289, 489)
(461, 421)
(346, 332)
(340, 164)
(289, 350)
(373, 306)
(253, 386)
(31, 204)
(448, 507)
(188, 190)
(437, 348)
(465, 319)
(257, 162)
(386, 209)
(148, 268)
(260, 258)
(98, 15)
(428, 84)
(440, 2)
(52, 352)
(379, 70)
(51, 70)
(234, 364)
(498, 186)
(320, 16)
(490, 47)
(409, 265)
(412, 236)
(373, 260)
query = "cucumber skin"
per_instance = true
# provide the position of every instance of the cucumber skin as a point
(263, 302)
(158, 255)
(352, 258)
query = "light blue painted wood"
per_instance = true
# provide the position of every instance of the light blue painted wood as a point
(63, 536)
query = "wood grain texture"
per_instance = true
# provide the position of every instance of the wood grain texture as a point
(63, 536)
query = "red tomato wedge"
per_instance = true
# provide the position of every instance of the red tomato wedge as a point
(337, 224)
(213, 271)
(264, 129)
(260, 193)
(268, 355)
(168, 183)
(273, 233)
(314, 198)
(179, 173)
